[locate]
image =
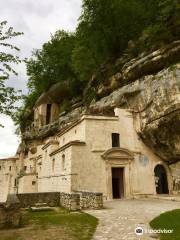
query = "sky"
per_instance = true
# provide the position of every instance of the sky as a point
(37, 20)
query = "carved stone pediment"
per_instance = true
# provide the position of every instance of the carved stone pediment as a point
(117, 153)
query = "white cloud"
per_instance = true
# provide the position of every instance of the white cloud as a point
(8, 140)
(38, 20)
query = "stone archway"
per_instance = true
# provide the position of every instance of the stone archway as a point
(161, 179)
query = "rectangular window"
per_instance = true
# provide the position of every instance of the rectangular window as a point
(25, 168)
(48, 113)
(26, 153)
(115, 140)
(9, 168)
(15, 183)
(33, 182)
(53, 165)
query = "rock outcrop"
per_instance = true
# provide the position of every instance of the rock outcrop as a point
(150, 87)
(143, 65)
(155, 100)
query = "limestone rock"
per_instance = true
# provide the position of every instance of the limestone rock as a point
(146, 86)
(143, 65)
(155, 101)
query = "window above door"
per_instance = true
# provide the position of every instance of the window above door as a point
(115, 139)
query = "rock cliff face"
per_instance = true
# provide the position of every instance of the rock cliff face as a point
(150, 87)
(155, 102)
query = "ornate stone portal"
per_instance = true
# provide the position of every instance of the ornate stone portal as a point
(119, 159)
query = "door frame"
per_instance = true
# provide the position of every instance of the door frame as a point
(118, 158)
(126, 179)
(121, 169)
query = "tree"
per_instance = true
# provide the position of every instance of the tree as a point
(107, 30)
(8, 96)
(104, 30)
(52, 64)
(166, 28)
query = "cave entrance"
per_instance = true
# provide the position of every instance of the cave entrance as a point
(161, 180)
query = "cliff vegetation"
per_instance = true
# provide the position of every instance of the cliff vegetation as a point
(110, 33)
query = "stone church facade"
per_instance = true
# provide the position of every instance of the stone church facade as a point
(96, 153)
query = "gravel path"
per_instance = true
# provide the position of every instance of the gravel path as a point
(120, 217)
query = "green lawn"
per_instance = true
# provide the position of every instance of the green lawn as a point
(53, 225)
(168, 220)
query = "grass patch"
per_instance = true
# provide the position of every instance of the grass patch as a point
(60, 224)
(168, 220)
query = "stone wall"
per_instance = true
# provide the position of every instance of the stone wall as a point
(9, 216)
(81, 200)
(91, 200)
(176, 185)
(29, 199)
(10, 213)
(70, 201)
(175, 170)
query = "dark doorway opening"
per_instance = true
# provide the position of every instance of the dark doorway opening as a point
(48, 113)
(117, 182)
(161, 180)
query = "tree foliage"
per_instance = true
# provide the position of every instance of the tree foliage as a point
(51, 64)
(103, 34)
(8, 96)
(167, 25)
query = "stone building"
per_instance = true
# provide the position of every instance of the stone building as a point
(124, 145)
(9, 169)
(45, 114)
(96, 153)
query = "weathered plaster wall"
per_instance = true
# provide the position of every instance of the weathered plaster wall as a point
(91, 170)
(54, 175)
(9, 169)
(28, 184)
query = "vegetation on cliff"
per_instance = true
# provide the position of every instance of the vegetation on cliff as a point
(107, 30)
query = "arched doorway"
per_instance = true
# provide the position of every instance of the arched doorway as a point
(161, 180)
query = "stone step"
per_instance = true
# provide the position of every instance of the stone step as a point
(40, 205)
(39, 209)
(175, 198)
